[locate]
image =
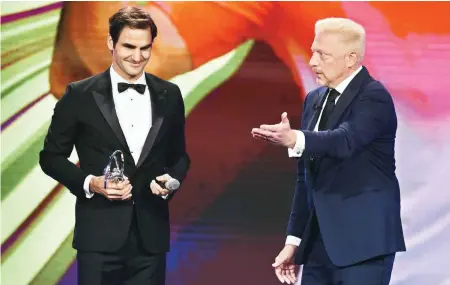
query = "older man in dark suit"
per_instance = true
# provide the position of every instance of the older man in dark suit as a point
(345, 224)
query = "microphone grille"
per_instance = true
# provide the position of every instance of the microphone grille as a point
(172, 184)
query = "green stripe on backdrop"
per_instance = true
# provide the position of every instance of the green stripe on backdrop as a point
(30, 41)
(25, 94)
(13, 71)
(19, 33)
(19, 73)
(65, 255)
(22, 161)
(40, 241)
(27, 50)
(217, 78)
(58, 265)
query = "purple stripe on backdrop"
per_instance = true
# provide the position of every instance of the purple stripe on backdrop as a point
(70, 277)
(17, 16)
(21, 112)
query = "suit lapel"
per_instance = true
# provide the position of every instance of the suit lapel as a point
(158, 100)
(347, 97)
(318, 103)
(344, 101)
(104, 99)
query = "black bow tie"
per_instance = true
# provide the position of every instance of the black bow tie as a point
(138, 87)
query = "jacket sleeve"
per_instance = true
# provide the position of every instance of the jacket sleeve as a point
(59, 143)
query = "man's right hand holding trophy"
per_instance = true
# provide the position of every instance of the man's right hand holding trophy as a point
(113, 185)
(113, 190)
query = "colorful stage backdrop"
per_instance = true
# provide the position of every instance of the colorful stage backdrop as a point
(249, 64)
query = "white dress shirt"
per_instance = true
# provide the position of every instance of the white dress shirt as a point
(299, 146)
(134, 112)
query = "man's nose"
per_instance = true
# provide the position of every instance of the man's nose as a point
(313, 61)
(137, 55)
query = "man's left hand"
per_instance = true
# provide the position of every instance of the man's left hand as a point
(279, 134)
(156, 188)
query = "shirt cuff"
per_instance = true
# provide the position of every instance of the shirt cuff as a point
(88, 192)
(293, 240)
(299, 146)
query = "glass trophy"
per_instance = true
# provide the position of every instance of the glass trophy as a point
(114, 170)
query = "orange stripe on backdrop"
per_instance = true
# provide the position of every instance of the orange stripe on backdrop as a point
(424, 17)
(211, 29)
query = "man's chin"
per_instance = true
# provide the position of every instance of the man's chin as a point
(320, 81)
(134, 72)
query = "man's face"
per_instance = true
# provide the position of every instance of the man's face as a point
(131, 52)
(328, 59)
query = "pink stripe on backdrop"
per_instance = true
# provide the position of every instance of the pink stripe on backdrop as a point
(21, 15)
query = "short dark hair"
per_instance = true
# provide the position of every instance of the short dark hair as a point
(132, 17)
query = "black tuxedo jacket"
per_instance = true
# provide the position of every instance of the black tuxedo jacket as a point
(85, 117)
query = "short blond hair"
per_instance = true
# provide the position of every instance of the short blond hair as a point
(353, 33)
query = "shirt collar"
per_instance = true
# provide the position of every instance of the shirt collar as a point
(116, 78)
(341, 86)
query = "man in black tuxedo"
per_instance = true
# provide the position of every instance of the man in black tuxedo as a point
(122, 229)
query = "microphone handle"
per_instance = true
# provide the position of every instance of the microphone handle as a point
(161, 184)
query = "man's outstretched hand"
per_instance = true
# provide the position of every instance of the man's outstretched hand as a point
(280, 134)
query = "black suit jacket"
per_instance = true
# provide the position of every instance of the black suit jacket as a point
(85, 117)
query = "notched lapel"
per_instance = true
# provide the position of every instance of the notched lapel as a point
(347, 97)
(344, 101)
(319, 101)
(316, 111)
(158, 100)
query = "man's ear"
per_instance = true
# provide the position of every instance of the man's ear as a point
(110, 43)
(352, 59)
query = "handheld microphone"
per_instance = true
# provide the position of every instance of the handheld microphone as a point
(172, 184)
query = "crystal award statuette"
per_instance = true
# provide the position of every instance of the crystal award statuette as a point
(114, 171)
